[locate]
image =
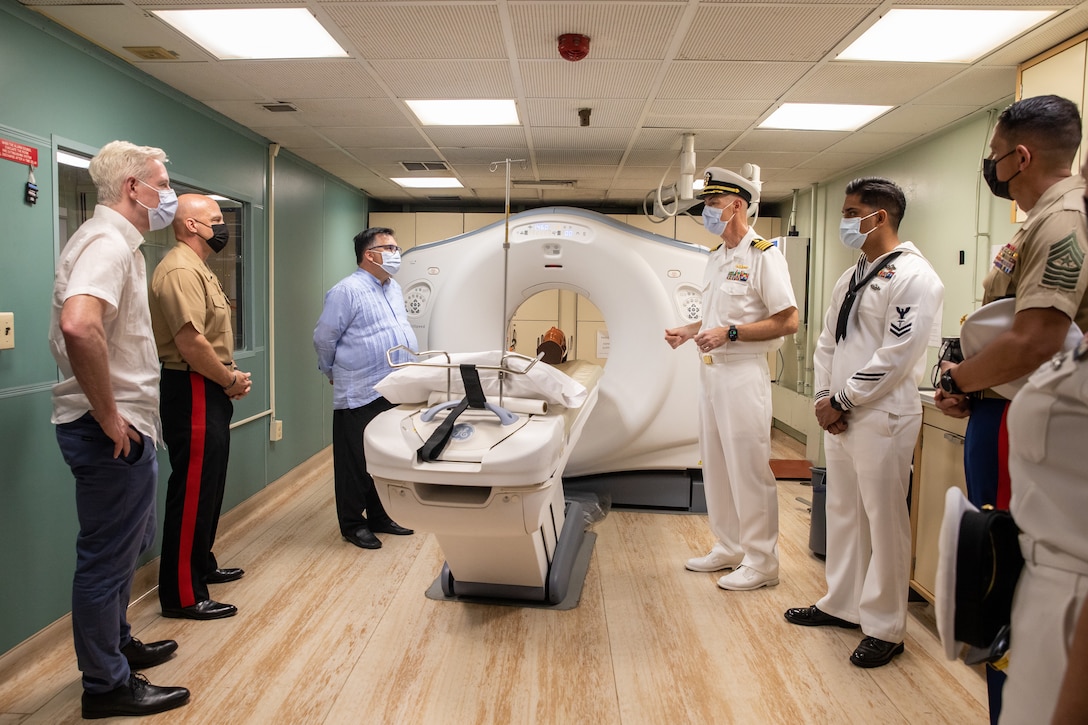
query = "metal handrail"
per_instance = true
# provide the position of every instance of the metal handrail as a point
(502, 367)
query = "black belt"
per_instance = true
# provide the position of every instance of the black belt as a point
(185, 367)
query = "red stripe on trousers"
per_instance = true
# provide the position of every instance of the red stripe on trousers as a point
(1004, 480)
(197, 426)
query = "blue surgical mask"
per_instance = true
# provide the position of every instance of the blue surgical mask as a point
(390, 262)
(712, 220)
(160, 216)
(850, 233)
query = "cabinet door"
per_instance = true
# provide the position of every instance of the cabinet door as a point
(942, 468)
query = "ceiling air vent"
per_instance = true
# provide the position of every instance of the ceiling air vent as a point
(443, 198)
(151, 52)
(424, 166)
(544, 183)
(279, 107)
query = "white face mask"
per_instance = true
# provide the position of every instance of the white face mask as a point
(390, 261)
(712, 220)
(160, 216)
(849, 231)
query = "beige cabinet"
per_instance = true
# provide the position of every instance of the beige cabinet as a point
(1063, 71)
(938, 465)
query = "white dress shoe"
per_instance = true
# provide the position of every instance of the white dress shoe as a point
(744, 578)
(714, 561)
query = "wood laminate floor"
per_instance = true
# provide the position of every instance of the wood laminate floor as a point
(328, 633)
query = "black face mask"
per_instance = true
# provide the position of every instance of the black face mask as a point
(220, 236)
(999, 189)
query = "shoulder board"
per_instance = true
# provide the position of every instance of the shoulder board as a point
(761, 244)
(714, 249)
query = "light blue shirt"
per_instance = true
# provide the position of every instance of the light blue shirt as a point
(362, 318)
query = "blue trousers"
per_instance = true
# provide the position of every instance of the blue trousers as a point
(981, 464)
(115, 503)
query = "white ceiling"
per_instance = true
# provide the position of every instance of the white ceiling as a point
(655, 70)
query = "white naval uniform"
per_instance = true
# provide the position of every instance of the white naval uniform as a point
(741, 285)
(874, 373)
(1048, 430)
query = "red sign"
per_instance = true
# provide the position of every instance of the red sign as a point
(18, 153)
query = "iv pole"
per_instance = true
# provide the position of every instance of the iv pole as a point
(505, 242)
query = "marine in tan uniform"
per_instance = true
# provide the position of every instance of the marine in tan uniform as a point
(1030, 162)
(190, 315)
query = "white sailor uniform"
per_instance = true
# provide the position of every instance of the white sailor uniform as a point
(873, 374)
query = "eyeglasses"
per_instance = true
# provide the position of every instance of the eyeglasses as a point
(390, 247)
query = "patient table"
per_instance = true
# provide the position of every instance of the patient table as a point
(493, 494)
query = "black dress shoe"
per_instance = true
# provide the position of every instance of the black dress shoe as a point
(220, 576)
(813, 617)
(390, 527)
(140, 656)
(207, 609)
(364, 539)
(136, 697)
(873, 652)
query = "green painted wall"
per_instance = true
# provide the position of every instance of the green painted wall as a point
(57, 90)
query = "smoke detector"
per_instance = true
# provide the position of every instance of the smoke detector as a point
(573, 46)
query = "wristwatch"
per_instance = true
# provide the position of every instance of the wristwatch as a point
(733, 334)
(836, 405)
(948, 383)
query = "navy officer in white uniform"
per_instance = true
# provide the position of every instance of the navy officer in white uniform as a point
(748, 306)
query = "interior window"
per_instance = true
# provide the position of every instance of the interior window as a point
(76, 201)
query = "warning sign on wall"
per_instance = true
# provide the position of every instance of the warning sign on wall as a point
(18, 153)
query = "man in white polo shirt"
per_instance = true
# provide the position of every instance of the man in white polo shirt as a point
(106, 410)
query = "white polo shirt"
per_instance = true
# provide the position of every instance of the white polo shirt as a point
(103, 260)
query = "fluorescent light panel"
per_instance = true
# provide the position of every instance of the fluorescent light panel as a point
(259, 33)
(434, 182)
(70, 159)
(466, 112)
(940, 36)
(822, 116)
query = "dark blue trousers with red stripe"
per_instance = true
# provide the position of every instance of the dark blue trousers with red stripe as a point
(196, 425)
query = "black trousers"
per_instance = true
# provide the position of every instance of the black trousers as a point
(196, 425)
(355, 492)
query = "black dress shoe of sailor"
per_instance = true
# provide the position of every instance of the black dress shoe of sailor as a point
(207, 609)
(363, 538)
(136, 697)
(390, 527)
(221, 576)
(813, 617)
(873, 652)
(140, 656)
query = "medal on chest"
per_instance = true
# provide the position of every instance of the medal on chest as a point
(1005, 261)
(737, 274)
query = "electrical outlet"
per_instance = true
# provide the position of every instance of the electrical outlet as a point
(275, 431)
(7, 330)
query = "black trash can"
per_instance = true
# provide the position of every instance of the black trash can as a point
(817, 533)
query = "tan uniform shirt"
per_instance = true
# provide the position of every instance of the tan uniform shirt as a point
(184, 290)
(1048, 269)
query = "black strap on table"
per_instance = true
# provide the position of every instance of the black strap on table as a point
(474, 398)
(855, 289)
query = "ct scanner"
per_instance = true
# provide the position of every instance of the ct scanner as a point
(642, 283)
(491, 491)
